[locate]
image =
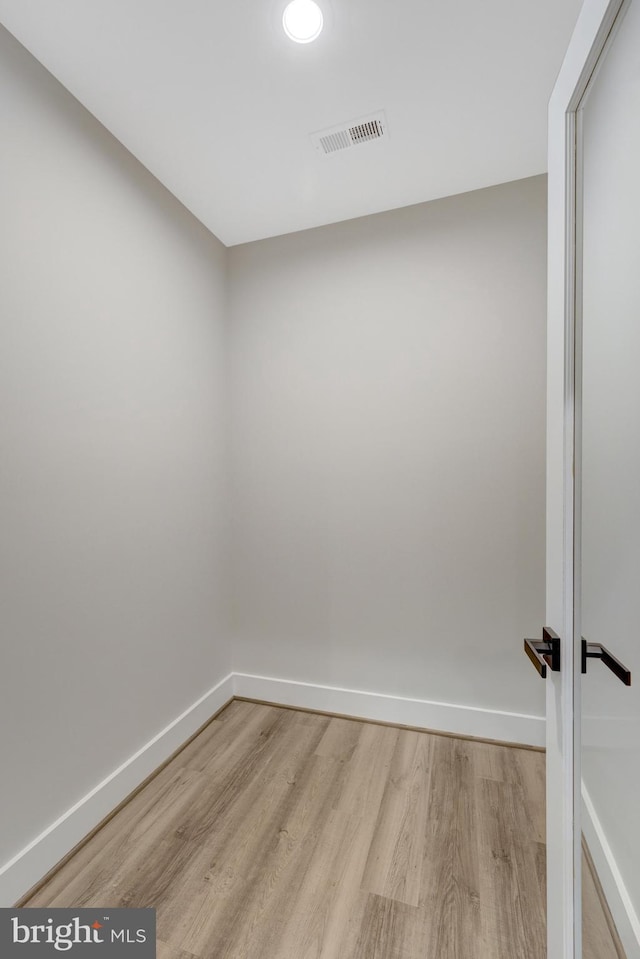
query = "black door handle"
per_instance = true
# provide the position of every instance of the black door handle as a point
(544, 653)
(598, 651)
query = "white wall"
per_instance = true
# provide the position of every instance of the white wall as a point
(386, 432)
(112, 589)
(387, 381)
(611, 463)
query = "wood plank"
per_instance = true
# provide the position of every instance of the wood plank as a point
(394, 863)
(600, 937)
(267, 870)
(385, 930)
(339, 740)
(450, 878)
(328, 898)
(163, 951)
(229, 831)
(505, 929)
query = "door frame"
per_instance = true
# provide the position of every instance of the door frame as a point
(592, 33)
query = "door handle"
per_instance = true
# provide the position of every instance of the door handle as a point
(545, 652)
(598, 651)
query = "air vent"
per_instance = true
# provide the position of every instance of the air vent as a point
(335, 141)
(349, 135)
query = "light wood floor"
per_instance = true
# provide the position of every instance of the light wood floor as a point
(279, 834)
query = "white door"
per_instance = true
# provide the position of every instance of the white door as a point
(607, 602)
(593, 486)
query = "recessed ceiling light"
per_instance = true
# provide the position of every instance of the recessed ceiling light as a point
(302, 21)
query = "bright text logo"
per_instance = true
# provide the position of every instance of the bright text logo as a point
(111, 934)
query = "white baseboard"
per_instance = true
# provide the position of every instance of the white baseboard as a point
(620, 904)
(445, 717)
(34, 861)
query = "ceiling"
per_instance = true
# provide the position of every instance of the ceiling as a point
(219, 105)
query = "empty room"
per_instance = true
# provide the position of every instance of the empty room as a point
(319, 479)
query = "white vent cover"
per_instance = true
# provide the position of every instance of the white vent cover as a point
(347, 135)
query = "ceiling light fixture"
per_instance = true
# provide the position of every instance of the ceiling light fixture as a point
(303, 21)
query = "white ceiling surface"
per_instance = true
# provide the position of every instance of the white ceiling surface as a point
(218, 104)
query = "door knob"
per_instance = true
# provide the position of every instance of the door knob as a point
(598, 651)
(545, 652)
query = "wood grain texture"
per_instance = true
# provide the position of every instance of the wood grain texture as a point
(278, 834)
(598, 928)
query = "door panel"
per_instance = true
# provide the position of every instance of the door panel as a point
(608, 607)
(601, 24)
